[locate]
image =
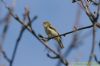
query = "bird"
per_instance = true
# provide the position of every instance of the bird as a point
(51, 32)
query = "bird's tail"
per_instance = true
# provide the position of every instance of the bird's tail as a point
(60, 44)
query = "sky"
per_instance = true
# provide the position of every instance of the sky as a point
(62, 15)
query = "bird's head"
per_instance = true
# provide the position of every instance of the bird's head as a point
(46, 24)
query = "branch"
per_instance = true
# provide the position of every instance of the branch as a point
(95, 57)
(64, 34)
(88, 12)
(93, 46)
(5, 56)
(19, 38)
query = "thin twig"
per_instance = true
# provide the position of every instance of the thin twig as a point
(93, 47)
(5, 56)
(98, 61)
(87, 11)
(18, 40)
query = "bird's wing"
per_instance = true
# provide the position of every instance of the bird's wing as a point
(54, 30)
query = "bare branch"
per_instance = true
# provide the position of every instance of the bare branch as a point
(95, 57)
(93, 46)
(5, 56)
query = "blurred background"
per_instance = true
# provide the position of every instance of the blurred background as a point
(63, 15)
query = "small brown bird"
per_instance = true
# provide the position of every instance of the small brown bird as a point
(51, 32)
